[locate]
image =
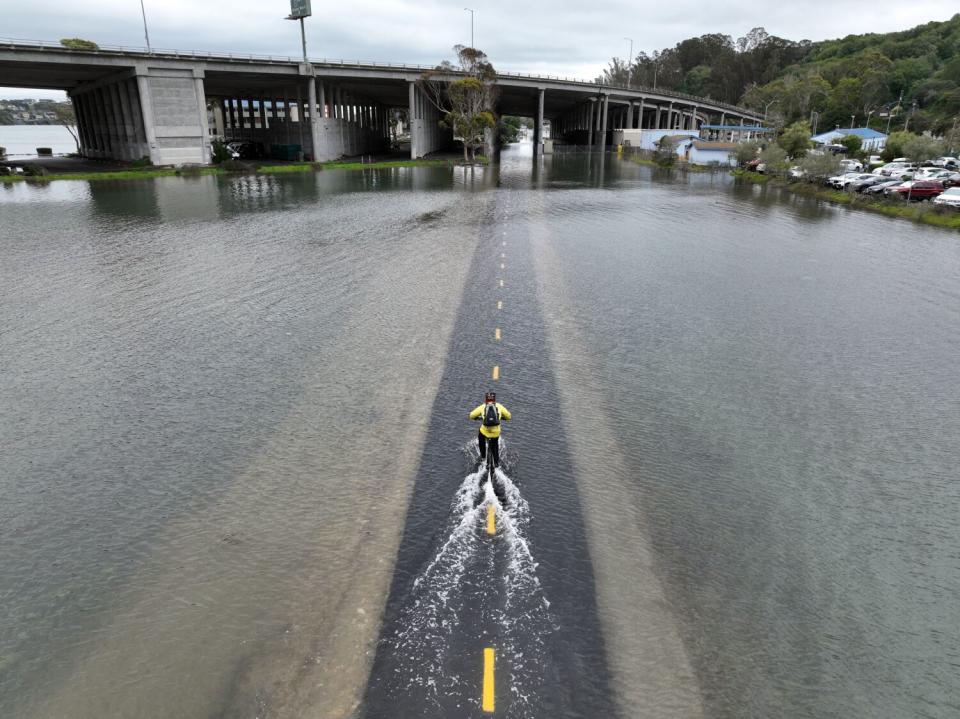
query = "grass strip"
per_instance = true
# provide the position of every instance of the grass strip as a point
(923, 212)
(193, 172)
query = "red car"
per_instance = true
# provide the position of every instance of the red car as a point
(920, 190)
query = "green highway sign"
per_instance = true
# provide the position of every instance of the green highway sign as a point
(300, 8)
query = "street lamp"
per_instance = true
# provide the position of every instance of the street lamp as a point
(852, 118)
(471, 24)
(146, 34)
(629, 61)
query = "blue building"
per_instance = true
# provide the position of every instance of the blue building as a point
(870, 139)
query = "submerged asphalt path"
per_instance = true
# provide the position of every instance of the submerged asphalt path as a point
(527, 592)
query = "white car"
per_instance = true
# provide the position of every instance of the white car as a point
(847, 179)
(851, 165)
(796, 173)
(932, 173)
(840, 181)
(946, 160)
(874, 160)
(896, 170)
(949, 197)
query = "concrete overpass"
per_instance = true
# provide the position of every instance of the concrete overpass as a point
(168, 104)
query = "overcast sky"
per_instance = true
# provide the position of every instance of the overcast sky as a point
(560, 37)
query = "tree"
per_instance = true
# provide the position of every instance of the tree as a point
(852, 143)
(77, 43)
(666, 152)
(922, 148)
(775, 158)
(746, 151)
(818, 166)
(894, 145)
(67, 118)
(465, 94)
(509, 129)
(795, 140)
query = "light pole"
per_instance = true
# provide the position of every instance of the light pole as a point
(471, 24)
(852, 118)
(629, 61)
(146, 34)
(868, 118)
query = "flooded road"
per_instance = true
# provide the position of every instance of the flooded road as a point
(237, 460)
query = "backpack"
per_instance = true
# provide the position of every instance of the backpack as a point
(491, 416)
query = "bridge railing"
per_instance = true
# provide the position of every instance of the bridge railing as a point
(15, 43)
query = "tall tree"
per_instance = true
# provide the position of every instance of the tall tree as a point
(465, 94)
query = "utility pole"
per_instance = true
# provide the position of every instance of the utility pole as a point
(146, 34)
(471, 24)
(629, 61)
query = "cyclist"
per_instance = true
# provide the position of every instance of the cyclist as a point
(490, 413)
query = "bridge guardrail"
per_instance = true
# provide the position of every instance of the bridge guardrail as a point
(286, 59)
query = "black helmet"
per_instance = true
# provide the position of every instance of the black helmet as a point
(490, 397)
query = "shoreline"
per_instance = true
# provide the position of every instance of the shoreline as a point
(924, 213)
(198, 170)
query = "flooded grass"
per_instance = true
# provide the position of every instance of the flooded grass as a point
(924, 212)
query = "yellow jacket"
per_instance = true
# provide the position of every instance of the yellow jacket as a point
(490, 432)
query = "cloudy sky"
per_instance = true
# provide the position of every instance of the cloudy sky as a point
(560, 37)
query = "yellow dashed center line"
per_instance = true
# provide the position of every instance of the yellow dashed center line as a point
(499, 304)
(496, 334)
(488, 685)
(491, 519)
(501, 283)
(496, 371)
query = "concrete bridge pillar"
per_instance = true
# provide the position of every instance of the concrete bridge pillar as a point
(603, 123)
(315, 141)
(592, 111)
(629, 125)
(538, 124)
(413, 122)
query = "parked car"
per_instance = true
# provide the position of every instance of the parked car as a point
(896, 169)
(851, 165)
(950, 198)
(920, 190)
(874, 160)
(862, 185)
(840, 181)
(796, 173)
(857, 177)
(952, 181)
(881, 187)
(899, 186)
(946, 161)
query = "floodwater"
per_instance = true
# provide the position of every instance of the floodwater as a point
(238, 477)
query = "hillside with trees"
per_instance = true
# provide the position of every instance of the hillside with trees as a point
(911, 78)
